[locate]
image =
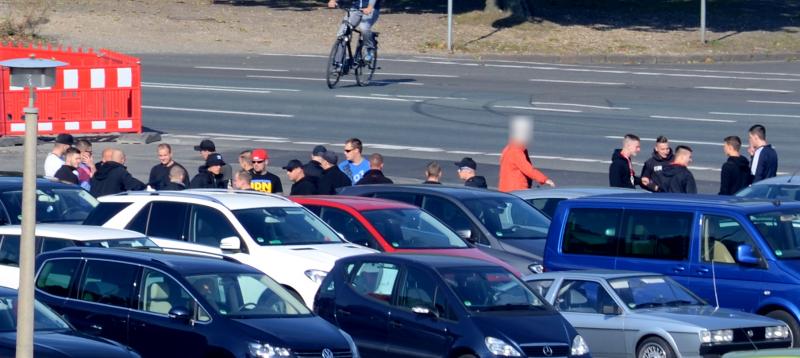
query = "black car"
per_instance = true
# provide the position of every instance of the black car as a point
(174, 305)
(502, 225)
(53, 337)
(441, 306)
(55, 202)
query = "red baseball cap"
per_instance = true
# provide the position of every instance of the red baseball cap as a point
(260, 155)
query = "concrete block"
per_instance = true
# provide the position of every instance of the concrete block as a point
(136, 138)
(11, 141)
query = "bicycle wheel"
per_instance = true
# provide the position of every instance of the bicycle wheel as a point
(372, 65)
(335, 64)
(358, 67)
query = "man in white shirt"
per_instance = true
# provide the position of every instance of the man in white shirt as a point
(55, 159)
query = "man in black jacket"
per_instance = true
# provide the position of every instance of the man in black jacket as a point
(662, 156)
(67, 172)
(160, 173)
(466, 172)
(303, 185)
(375, 173)
(765, 158)
(735, 173)
(676, 177)
(177, 178)
(211, 177)
(620, 172)
(112, 177)
(332, 177)
(313, 168)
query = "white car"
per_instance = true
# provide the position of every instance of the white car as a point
(51, 237)
(269, 232)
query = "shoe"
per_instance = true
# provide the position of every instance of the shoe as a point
(369, 56)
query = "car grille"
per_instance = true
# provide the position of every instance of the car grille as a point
(337, 353)
(539, 350)
(742, 334)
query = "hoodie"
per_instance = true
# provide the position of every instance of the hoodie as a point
(620, 172)
(374, 176)
(735, 175)
(113, 178)
(654, 165)
(676, 178)
(332, 178)
(476, 182)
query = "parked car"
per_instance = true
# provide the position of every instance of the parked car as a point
(546, 200)
(53, 337)
(407, 305)
(785, 187)
(624, 314)
(169, 305)
(269, 232)
(55, 202)
(741, 254)
(51, 237)
(391, 226)
(500, 224)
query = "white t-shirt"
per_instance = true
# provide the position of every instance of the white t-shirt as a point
(52, 164)
(754, 164)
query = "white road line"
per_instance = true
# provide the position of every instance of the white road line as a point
(672, 140)
(695, 119)
(208, 89)
(183, 136)
(425, 149)
(201, 110)
(418, 97)
(238, 69)
(579, 105)
(756, 114)
(311, 143)
(732, 72)
(391, 99)
(464, 152)
(773, 102)
(743, 89)
(387, 146)
(271, 141)
(230, 138)
(541, 109)
(212, 134)
(417, 75)
(144, 84)
(291, 55)
(579, 82)
(342, 80)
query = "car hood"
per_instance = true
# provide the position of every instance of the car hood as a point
(296, 333)
(70, 344)
(320, 257)
(525, 328)
(527, 247)
(708, 317)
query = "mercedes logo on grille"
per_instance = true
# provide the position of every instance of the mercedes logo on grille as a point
(547, 351)
(327, 353)
(750, 333)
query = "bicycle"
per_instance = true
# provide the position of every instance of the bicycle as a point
(342, 58)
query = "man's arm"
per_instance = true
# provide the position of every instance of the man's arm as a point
(131, 183)
(691, 186)
(530, 171)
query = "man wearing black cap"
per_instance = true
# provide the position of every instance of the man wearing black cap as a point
(332, 177)
(206, 148)
(303, 185)
(55, 159)
(212, 177)
(466, 172)
(313, 168)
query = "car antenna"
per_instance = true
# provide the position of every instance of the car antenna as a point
(793, 175)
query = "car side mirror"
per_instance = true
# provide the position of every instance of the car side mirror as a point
(425, 311)
(466, 235)
(746, 255)
(230, 244)
(341, 236)
(180, 314)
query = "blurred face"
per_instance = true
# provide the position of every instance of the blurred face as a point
(204, 154)
(86, 156)
(295, 174)
(351, 152)
(73, 160)
(632, 147)
(755, 141)
(465, 173)
(245, 163)
(662, 149)
(215, 169)
(260, 165)
(240, 184)
(521, 130)
(164, 156)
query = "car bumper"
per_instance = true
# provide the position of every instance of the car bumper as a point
(717, 350)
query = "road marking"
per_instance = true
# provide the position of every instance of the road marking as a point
(756, 114)
(417, 75)
(271, 141)
(418, 97)
(541, 109)
(640, 73)
(464, 152)
(732, 72)
(145, 84)
(671, 140)
(425, 149)
(579, 82)
(231, 138)
(579, 105)
(201, 110)
(773, 102)
(212, 134)
(743, 89)
(695, 119)
(342, 80)
(238, 69)
(183, 136)
(291, 55)
(311, 143)
(392, 99)
(207, 89)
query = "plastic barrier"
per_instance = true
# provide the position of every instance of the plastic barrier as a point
(97, 92)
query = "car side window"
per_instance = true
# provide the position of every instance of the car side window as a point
(160, 293)
(452, 216)
(139, 222)
(167, 220)
(722, 237)
(408, 198)
(4, 219)
(349, 226)
(9, 250)
(103, 212)
(540, 286)
(546, 205)
(56, 276)
(209, 226)
(375, 280)
(52, 244)
(591, 231)
(585, 297)
(658, 235)
(108, 283)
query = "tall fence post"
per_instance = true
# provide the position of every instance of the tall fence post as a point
(450, 26)
(703, 21)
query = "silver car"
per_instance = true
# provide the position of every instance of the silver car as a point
(784, 188)
(622, 314)
(546, 200)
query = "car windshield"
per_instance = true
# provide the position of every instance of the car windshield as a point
(44, 319)
(653, 291)
(509, 217)
(285, 226)
(133, 243)
(785, 192)
(488, 289)
(781, 230)
(52, 205)
(413, 229)
(246, 295)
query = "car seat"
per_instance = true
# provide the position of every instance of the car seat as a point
(157, 300)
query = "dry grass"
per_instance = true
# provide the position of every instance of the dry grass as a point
(23, 19)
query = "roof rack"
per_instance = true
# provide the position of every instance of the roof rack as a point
(182, 193)
(238, 191)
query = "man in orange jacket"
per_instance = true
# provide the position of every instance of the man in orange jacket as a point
(516, 170)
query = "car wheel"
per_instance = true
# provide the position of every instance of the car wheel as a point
(787, 318)
(654, 347)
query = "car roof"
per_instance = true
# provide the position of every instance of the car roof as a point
(661, 200)
(588, 274)
(459, 192)
(5, 291)
(231, 199)
(14, 182)
(73, 232)
(783, 179)
(430, 260)
(358, 203)
(570, 193)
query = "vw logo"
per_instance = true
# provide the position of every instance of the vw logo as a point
(327, 353)
(547, 351)
(750, 333)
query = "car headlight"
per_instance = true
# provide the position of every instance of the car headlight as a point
(777, 332)
(536, 268)
(353, 348)
(718, 336)
(264, 350)
(316, 275)
(579, 347)
(499, 347)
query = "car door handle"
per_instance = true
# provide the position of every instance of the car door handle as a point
(395, 324)
(96, 327)
(703, 270)
(343, 312)
(678, 269)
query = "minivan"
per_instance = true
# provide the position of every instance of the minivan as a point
(735, 253)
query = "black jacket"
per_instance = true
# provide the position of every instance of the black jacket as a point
(767, 166)
(431, 182)
(113, 178)
(735, 175)
(305, 186)
(676, 178)
(332, 178)
(312, 169)
(654, 165)
(173, 186)
(374, 176)
(159, 176)
(476, 182)
(66, 175)
(620, 172)
(207, 180)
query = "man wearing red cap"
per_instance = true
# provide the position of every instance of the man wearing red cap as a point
(263, 181)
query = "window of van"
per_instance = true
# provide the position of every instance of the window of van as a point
(722, 237)
(659, 235)
(107, 282)
(592, 231)
(56, 276)
(781, 230)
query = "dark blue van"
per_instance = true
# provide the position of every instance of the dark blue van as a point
(742, 254)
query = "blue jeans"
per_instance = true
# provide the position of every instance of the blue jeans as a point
(364, 24)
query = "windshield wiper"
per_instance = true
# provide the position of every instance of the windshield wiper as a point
(649, 305)
(680, 303)
(510, 307)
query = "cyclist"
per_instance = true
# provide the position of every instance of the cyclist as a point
(364, 19)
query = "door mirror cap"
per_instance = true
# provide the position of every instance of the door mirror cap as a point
(180, 314)
(466, 235)
(341, 236)
(424, 311)
(230, 244)
(746, 255)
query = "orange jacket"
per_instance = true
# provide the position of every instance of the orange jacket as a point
(515, 169)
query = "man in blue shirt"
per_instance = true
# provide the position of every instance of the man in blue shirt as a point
(364, 20)
(355, 166)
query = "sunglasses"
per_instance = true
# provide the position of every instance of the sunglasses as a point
(348, 150)
(257, 162)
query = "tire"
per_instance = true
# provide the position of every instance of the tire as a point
(364, 71)
(372, 66)
(333, 71)
(358, 68)
(654, 347)
(787, 318)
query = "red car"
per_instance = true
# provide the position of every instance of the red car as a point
(391, 226)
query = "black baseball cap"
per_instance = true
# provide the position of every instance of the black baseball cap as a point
(214, 159)
(319, 150)
(467, 162)
(65, 138)
(206, 144)
(330, 157)
(292, 165)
